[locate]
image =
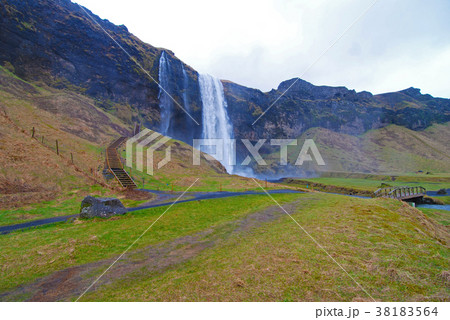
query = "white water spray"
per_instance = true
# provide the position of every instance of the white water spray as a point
(185, 89)
(216, 124)
(165, 102)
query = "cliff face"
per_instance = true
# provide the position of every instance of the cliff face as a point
(305, 106)
(181, 83)
(54, 42)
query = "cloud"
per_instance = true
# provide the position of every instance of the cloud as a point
(397, 44)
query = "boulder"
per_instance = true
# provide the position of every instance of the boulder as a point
(442, 191)
(101, 207)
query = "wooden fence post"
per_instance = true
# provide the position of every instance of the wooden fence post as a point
(71, 157)
(57, 147)
(42, 139)
(32, 133)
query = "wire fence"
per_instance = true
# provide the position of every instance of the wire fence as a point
(54, 145)
(68, 154)
(91, 172)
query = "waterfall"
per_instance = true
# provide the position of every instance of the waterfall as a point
(185, 89)
(216, 124)
(165, 102)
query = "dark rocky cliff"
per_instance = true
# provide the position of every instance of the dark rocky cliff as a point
(305, 106)
(54, 42)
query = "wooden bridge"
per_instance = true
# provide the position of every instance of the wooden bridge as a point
(115, 165)
(401, 193)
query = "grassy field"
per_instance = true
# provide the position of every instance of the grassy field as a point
(441, 216)
(373, 182)
(66, 205)
(281, 263)
(223, 250)
(69, 203)
(444, 199)
(35, 249)
(372, 185)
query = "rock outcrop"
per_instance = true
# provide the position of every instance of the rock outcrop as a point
(101, 207)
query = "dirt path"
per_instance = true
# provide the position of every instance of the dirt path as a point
(68, 284)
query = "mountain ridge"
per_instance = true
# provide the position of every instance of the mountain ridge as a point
(56, 44)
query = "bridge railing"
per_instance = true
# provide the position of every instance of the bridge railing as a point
(400, 192)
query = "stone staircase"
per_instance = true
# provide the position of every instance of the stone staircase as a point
(115, 165)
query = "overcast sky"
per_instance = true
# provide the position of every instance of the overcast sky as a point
(259, 43)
